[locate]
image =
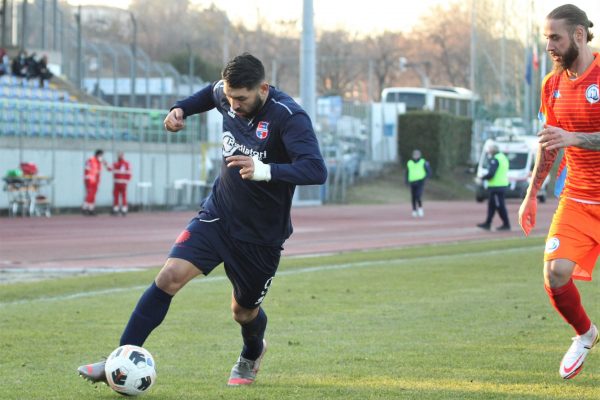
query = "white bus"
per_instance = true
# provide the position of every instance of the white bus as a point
(454, 100)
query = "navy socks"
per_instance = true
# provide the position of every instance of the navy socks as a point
(253, 334)
(147, 315)
(152, 308)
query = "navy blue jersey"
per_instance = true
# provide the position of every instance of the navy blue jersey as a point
(492, 168)
(281, 135)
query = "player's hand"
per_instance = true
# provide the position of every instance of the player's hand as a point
(552, 138)
(527, 213)
(250, 167)
(174, 121)
(245, 164)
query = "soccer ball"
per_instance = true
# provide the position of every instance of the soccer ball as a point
(130, 370)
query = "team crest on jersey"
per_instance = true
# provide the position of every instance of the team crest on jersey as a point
(592, 95)
(552, 244)
(556, 94)
(262, 130)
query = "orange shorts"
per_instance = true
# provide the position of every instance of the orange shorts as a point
(575, 235)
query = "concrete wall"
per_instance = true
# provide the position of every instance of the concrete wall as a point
(172, 169)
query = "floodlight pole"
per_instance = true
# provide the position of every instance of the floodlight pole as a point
(308, 66)
(134, 63)
(79, 48)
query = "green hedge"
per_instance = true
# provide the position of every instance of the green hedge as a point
(444, 139)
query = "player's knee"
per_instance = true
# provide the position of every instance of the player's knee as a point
(172, 277)
(242, 315)
(557, 273)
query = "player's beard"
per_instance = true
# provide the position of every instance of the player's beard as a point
(252, 109)
(568, 58)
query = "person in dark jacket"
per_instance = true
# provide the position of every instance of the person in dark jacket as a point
(497, 183)
(269, 147)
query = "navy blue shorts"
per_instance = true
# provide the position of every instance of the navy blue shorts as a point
(249, 267)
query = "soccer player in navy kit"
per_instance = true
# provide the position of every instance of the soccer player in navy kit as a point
(269, 147)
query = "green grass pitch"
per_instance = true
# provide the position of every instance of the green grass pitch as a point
(457, 321)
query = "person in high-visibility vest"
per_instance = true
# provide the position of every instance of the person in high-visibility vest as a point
(417, 170)
(91, 179)
(497, 178)
(121, 176)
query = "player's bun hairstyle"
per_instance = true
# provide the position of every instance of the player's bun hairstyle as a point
(574, 16)
(244, 71)
(99, 152)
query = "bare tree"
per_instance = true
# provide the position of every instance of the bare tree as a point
(384, 52)
(339, 63)
(351, 66)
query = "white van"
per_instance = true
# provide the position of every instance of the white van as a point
(521, 152)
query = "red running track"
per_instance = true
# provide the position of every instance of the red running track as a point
(142, 240)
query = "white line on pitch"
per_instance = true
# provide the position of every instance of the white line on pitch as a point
(295, 271)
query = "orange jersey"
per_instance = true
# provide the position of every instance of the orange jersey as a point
(574, 105)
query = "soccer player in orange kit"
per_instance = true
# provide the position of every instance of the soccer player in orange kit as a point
(570, 110)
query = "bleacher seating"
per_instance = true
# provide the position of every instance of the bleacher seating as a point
(29, 110)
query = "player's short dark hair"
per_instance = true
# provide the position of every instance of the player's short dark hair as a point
(99, 152)
(573, 16)
(244, 71)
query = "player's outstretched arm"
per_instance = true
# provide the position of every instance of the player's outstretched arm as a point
(174, 121)
(543, 164)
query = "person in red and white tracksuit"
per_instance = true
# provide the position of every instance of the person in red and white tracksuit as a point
(91, 179)
(121, 177)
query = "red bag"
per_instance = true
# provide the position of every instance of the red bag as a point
(29, 168)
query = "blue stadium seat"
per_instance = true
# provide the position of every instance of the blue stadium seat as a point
(32, 129)
(18, 92)
(14, 81)
(33, 115)
(5, 91)
(56, 95)
(70, 131)
(9, 112)
(45, 131)
(9, 128)
(68, 117)
(46, 94)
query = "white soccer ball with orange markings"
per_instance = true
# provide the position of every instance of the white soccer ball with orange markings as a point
(130, 370)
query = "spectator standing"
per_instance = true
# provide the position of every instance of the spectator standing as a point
(93, 168)
(417, 170)
(497, 178)
(121, 176)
